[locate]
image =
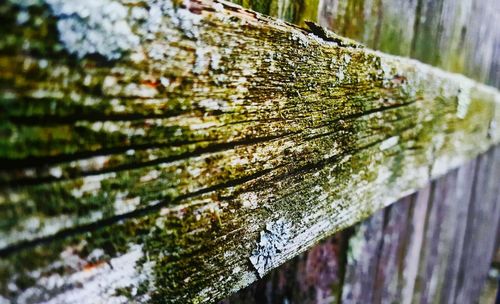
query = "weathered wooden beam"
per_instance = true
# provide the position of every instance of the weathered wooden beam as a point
(409, 252)
(176, 152)
(458, 36)
(315, 276)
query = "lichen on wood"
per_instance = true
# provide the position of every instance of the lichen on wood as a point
(173, 151)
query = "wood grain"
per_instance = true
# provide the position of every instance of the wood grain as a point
(151, 148)
(424, 248)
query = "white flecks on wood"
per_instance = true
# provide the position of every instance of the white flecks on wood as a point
(93, 283)
(335, 193)
(94, 27)
(389, 143)
(463, 99)
(272, 242)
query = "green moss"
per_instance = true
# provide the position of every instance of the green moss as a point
(285, 118)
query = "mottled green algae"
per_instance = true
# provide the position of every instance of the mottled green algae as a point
(248, 121)
(148, 183)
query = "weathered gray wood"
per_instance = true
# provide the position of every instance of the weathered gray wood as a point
(480, 236)
(363, 260)
(442, 194)
(388, 282)
(313, 277)
(459, 36)
(414, 244)
(454, 232)
(180, 156)
(385, 240)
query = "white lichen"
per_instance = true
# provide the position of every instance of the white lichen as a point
(213, 104)
(56, 172)
(194, 171)
(273, 241)
(202, 60)
(95, 254)
(139, 13)
(249, 200)
(389, 143)
(124, 204)
(93, 283)
(300, 38)
(321, 41)
(346, 59)
(112, 28)
(151, 175)
(215, 60)
(22, 17)
(94, 27)
(157, 51)
(340, 75)
(187, 22)
(91, 184)
(385, 68)
(207, 58)
(463, 101)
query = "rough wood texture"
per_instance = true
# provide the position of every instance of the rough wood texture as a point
(388, 282)
(480, 234)
(176, 152)
(414, 251)
(458, 36)
(361, 270)
(312, 277)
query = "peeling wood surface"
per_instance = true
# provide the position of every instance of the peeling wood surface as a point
(156, 164)
(411, 252)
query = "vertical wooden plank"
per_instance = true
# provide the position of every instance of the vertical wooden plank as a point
(390, 271)
(459, 36)
(454, 234)
(414, 244)
(385, 25)
(430, 247)
(320, 273)
(312, 277)
(481, 41)
(362, 260)
(480, 237)
(436, 241)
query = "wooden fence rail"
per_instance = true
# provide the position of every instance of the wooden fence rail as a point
(177, 152)
(434, 246)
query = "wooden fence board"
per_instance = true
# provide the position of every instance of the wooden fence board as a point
(454, 230)
(362, 260)
(421, 249)
(388, 283)
(312, 277)
(458, 36)
(414, 244)
(442, 194)
(480, 236)
(153, 150)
